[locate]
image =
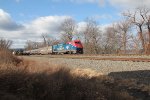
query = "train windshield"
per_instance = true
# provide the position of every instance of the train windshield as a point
(77, 42)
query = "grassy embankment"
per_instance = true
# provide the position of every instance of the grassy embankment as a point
(27, 80)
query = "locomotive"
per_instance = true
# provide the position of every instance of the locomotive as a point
(72, 47)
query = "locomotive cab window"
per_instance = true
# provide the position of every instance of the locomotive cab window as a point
(77, 42)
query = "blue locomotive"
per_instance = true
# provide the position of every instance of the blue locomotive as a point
(72, 47)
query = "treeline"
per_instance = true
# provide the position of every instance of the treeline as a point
(131, 34)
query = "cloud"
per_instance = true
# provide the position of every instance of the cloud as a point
(115, 3)
(129, 3)
(81, 27)
(31, 30)
(6, 23)
(47, 24)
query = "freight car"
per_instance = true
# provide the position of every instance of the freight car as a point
(73, 47)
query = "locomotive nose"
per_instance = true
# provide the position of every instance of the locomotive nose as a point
(78, 44)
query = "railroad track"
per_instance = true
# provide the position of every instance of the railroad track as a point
(111, 58)
(125, 59)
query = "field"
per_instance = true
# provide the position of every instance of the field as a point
(72, 78)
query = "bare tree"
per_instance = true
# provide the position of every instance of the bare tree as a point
(148, 26)
(44, 36)
(68, 28)
(135, 44)
(138, 19)
(111, 40)
(123, 28)
(32, 45)
(5, 44)
(145, 14)
(92, 36)
(49, 40)
(52, 41)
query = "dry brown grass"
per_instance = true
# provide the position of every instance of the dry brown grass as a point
(56, 85)
(29, 80)
(88, 73)
(7, 60)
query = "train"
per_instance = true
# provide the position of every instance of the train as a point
(72, 47)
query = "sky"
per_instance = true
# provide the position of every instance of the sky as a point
(23, 20)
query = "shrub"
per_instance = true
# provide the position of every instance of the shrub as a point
(8, 60)
(57, 85)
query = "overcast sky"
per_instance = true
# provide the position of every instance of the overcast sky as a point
(22, 20)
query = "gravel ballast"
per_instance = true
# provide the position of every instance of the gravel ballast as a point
(102, 66)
